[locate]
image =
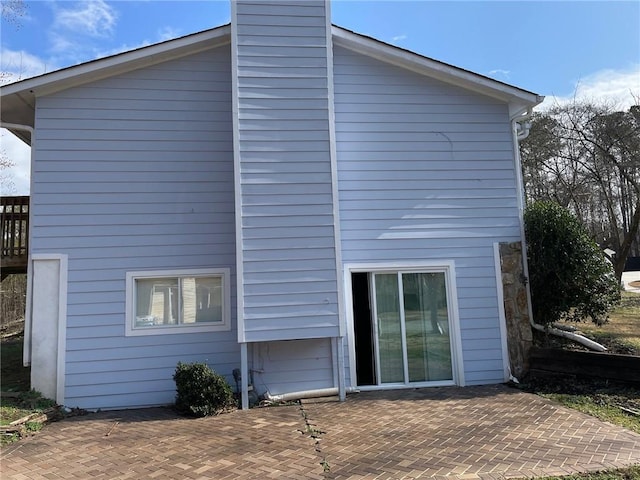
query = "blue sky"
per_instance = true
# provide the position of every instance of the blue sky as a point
(553, 48)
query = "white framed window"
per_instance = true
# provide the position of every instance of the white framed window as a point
(178, 301)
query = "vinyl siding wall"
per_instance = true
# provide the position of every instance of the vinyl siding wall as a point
(132, 173)
(285, 179)
(293, 365)
(426, 172)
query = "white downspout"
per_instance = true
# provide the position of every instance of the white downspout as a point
(520, 132)
(26, 353)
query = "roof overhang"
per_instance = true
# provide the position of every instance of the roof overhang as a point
(18, 100)
(519, 100)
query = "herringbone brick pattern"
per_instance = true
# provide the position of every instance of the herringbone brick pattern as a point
(447, 433)
(155, 444)
(464, 433)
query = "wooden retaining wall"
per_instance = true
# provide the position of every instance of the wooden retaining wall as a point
(545, 361)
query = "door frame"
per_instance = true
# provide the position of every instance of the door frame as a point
(440, 266)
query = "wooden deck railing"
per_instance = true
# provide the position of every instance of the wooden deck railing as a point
(14, 224)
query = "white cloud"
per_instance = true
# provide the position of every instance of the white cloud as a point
(78, 29)
(398, 38)
(163, 34)
(500, 73)
(18, 64)
(615, 87)
(168, 33)
(64, 43)
(95, 18)
(122, 48)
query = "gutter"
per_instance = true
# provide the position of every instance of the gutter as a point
(19, 127)
(522, 126)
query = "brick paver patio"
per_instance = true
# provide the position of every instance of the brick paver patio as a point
(468, 433)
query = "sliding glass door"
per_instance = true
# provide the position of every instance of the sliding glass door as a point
(411, 327)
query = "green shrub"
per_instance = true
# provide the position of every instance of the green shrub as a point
(569, 275)
(201, 391)
(34, 400)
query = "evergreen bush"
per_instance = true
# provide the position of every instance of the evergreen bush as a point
(201, 391)
(569, 275)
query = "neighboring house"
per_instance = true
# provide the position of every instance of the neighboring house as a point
(312, 206)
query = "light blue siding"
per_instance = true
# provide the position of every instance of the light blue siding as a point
(426, 173)
(287, 237)
(136, 172)
(132, 173)
(293, 366)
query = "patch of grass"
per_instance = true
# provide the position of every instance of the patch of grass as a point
(35, 401)
(23, 404)
(631, 473)
(14, 377)
(20, 406)
(10, 411)
(8, 438)
(621, 334)
(609, 401)
(603, 407)
(18, 400)
(33, 426)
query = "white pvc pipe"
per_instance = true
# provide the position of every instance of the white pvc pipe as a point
(576, 337)
(244, 376)
(321, 392)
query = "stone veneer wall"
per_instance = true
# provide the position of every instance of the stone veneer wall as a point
(519, 333)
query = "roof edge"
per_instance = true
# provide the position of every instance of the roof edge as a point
(75, 75)
(518, 98)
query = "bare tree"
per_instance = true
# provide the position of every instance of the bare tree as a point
(12, 11)
(7, 184)
(586, 157)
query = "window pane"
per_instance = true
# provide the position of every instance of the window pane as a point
(156, 301)
(202, 299)
(427, 327)
(389, 331)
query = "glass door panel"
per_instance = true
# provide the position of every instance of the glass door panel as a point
(412, 335)
(388, 323)
(427, 327)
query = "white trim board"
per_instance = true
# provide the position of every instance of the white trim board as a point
(60, 321)
(502, 319)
